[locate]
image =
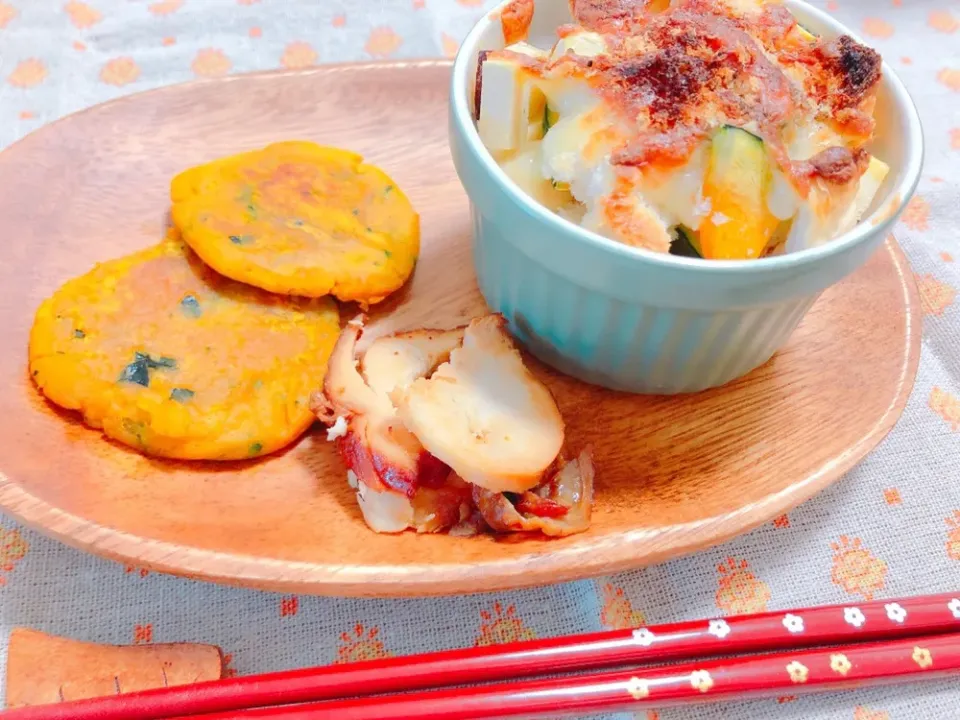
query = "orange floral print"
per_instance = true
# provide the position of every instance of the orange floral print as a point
(27, 115)
(255, 32)
(943, 21)
(13, 549)
(361, 645)
(247, 2)
(738, 591)
(165, 7)
(891, 496)
(832, 6)
(419, 4)
(289, 606)
(935, 296)
(82, 15)
(168, 41)
(7, 13)
(143, 634)
(950, 78)
(211, 63)
(470, 3)
(864, 713)
(946, 257)
(781, 521)
(339, 21)
(955, 138)
(906, 60)
(120, 71)
(449, 44)
(916, 214)
(28, 73)
(502, 626)
(856, 569)
(298, 55)
(875, 27)
(383, 41)
(946, 406)
(618, 612)
(953, 537)
(79, 46)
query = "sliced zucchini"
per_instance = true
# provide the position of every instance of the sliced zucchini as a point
(525, 170)
(583, 43)
(534, 112)
(736, 182)
(870, 183)
(550, 117)
(806, 34)
(685, 242)
(779, 240)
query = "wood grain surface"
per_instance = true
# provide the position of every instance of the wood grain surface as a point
(675, 474)
(44, 669)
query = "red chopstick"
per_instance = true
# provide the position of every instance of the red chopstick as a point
(836, 624)
(788, 673)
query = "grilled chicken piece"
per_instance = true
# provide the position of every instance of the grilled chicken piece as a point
(484, 413)
(559, 506)
(399, 484)
(435, 426)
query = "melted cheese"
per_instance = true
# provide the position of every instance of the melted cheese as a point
(567, 167)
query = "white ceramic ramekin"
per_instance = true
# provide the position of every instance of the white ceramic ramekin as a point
(634, 320)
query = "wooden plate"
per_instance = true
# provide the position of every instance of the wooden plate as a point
(674, 474)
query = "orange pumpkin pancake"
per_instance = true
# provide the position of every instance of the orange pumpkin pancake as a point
(175, 360)
(299, 219)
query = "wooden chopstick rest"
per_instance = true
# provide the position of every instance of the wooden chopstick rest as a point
(45, 668)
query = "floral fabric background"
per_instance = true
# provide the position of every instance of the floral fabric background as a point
(891, 527)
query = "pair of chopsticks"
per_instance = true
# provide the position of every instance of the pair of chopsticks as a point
(885, 642)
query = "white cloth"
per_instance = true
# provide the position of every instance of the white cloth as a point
(891, 527)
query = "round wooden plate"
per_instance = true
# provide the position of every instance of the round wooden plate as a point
(675, 474)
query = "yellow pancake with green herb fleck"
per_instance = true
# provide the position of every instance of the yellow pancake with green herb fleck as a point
(299, 219)
(175, 360)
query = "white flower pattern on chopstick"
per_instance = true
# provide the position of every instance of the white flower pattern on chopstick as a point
(896, 612)
(793, 623)
(643, 637)
(701, 680)
(798, 672)
(922, 657)
(638, 688)
(839, 663)
(719, 629)
(854, 616)
(954, 607)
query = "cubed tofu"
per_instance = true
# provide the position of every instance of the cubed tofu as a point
(525, 48)
(870, 184)
(584, 44)
(511, 105)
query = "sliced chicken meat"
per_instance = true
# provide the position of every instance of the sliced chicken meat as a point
(435, 426)
(484, 413)
(559, 506)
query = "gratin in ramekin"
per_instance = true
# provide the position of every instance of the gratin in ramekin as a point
(630, 319)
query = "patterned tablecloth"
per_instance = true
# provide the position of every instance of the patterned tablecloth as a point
(891, 527)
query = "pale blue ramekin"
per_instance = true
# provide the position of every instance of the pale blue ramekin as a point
(634, 320)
